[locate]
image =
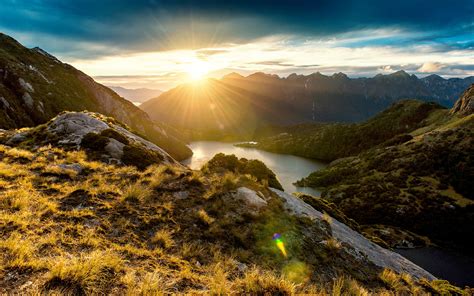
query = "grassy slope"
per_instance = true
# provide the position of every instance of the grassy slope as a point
(166, 229)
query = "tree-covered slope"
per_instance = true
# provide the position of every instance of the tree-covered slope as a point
(331, 141)
(423, 184)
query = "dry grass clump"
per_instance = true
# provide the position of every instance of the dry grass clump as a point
(91, 273)
(163, 238)
(17, 252)
(204, 217)
(19, 154)
(16, 199)
(136, 193)
(333, 244)
(347, 286)
(258, 282)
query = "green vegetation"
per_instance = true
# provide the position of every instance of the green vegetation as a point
(222, 163)
(422, 186)
(332, 141)
(165, 229)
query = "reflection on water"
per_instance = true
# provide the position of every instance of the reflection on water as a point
(288, 168)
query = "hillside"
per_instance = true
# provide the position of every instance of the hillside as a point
(72, 225)
(331, 141)
(240, 105)
(422, 183)
(35, 87)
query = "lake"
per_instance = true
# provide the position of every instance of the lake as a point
(446, 264)
(288, 168)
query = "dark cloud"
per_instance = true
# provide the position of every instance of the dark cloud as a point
(145, 25)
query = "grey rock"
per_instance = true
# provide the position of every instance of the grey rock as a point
(374, 253)
(114, 148)
(181, 195)
(250, 197)
(73, 167)
(28, 100)
(16, 138)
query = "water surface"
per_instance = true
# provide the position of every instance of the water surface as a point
(288, 168)
(446, 264)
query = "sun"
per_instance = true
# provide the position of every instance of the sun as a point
(197, 70)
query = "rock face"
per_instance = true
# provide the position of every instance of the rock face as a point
(35, 87)
(102, 137)
(376, 254)
(465, 104)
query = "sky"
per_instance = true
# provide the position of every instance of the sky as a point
(159, 44)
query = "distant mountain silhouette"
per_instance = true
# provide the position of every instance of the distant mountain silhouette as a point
(237, 102)
(137, 95)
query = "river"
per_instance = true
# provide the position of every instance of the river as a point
(288, 168)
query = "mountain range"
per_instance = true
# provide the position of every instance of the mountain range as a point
(136, 95)
(35, 86)
(236, 103)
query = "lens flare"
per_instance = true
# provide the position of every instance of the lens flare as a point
(279, 243)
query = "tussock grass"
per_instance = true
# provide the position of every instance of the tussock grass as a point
(133, 236)
(204, 217)
(136, 193)
(258, 282)
(91, 272)
(18, 253)
(163, 238)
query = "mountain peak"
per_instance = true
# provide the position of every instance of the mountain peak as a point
(233, 75)
(400, 73)
(339, 75)
(262, 75)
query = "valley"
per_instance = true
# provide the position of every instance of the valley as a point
(236, 148)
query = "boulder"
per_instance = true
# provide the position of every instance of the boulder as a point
(250, 197)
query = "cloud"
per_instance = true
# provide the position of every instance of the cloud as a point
(430, 67)
(159, 25)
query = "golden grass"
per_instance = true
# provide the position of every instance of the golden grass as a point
(136, 193)
(90, 272)
(163, 238)
(204, 217)
(137, 240)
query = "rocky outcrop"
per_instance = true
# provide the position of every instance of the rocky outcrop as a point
(374, 253)
(102, 137)
(465, 104)
(250, 197)
(35, 87)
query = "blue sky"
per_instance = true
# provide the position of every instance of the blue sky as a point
(161, 43)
